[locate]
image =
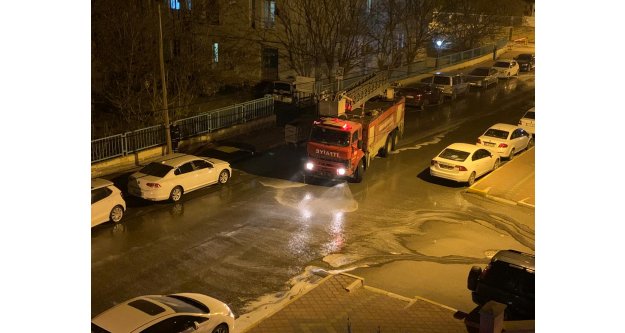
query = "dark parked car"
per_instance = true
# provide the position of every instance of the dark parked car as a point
(482, 77)
(421, 95)
(526, 61)
(508, 279)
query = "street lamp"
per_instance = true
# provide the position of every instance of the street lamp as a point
(163, 82)
(438, 50)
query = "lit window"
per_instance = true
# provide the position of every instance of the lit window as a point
(215, 52)
(175, 4)
(269, 13)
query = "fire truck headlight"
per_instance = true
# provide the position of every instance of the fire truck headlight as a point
(341, 171)
(309, 166)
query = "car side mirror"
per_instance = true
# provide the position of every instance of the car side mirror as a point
(196, 325)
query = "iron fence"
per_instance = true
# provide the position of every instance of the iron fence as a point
(134, 141)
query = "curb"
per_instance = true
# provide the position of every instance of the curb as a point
(278, 309)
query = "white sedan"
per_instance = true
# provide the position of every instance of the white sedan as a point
(506, 68)
(505, 139)
(107, 203)
(186, 312)
(171, 176)
(463, 162)
(528, 122)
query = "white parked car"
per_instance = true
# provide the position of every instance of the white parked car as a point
(463, 162)
(171, 176)
(186, 312)
(505, 139)
(107, 203)
(528, 122)
(506, 68)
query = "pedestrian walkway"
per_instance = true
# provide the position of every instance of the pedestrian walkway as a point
(512, 183)
(343, 303)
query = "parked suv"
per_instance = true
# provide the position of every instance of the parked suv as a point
(508, 279)
(451, 85)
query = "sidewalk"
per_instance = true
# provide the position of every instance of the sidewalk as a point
(343, 303)
(512, 183)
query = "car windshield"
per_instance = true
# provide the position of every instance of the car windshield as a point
(282, 86)
(524, 57)
(479, 72)
(329, 136)
(181, 304)
(502, 64)
(495, 133)
(442, 80)
(454, 155)
(529, 115)
(156, 169)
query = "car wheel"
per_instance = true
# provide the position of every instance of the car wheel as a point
(471, 180)
(496, 165)
(176, 194)
(222, 328)
(474, 274)
(116, 214)
(224, 175)
(511, 155)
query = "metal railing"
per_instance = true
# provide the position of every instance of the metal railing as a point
(134, 141)
(412, 69)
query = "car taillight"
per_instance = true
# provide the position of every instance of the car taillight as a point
(461, 168)
(153, 185)
(479, 141)
(503, 145)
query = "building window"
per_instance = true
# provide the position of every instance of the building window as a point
(212, 11)
(176, 48)
(215, 53)
(175, 4)
(253, 13)
(269, 13)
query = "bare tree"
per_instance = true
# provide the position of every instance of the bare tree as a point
(468, 22)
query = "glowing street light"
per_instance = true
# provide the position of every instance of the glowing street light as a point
(438, 50)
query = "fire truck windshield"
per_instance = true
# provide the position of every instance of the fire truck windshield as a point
(329, 136)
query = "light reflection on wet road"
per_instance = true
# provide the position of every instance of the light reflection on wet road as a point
(248, 238)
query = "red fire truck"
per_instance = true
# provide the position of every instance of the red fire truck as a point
(344, 146)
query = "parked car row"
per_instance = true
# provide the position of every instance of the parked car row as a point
(465, 162)
(167, 178)
(454, 85)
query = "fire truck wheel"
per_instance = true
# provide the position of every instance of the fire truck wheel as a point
(394, 140)
(387, 146)
(360, 170)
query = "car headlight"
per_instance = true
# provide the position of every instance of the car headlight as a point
(340, 171)
(309, 166)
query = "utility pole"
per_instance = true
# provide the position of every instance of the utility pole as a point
(163, 82)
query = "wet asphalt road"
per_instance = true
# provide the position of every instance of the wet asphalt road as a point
(248, 238)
